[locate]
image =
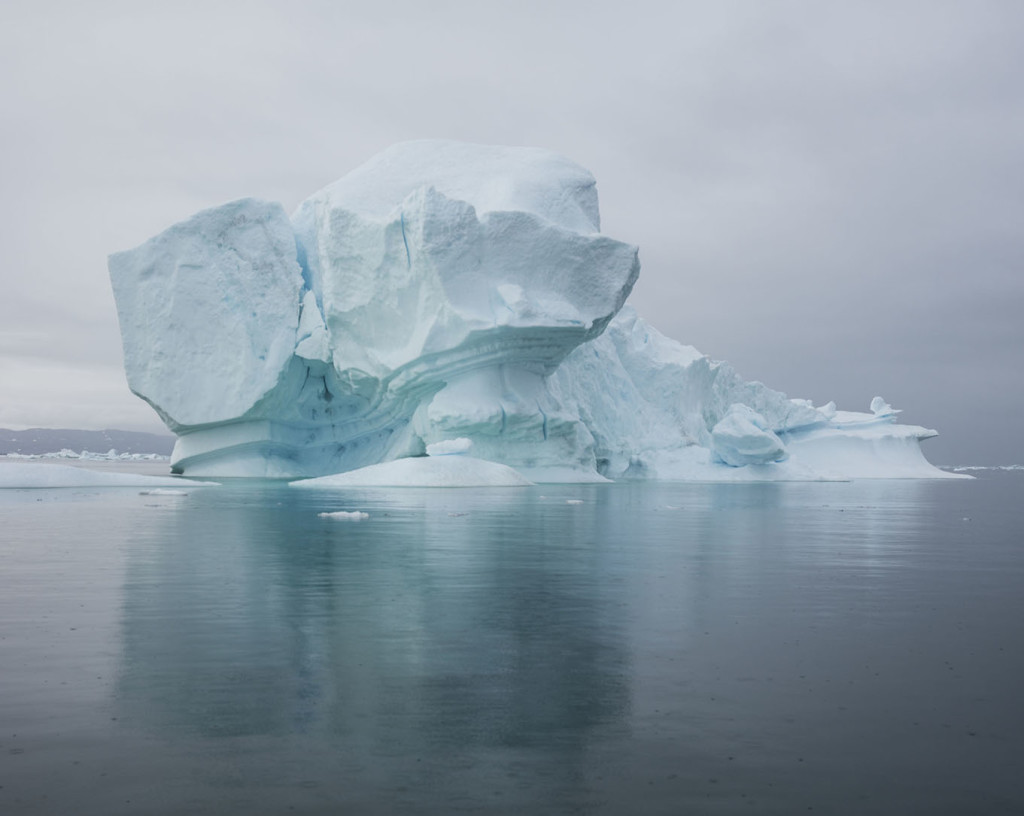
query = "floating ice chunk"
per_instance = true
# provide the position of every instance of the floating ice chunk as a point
(163, 491)
(448, 447)
(574, 501)
(424, 471)
(345, 515)
(742, 437)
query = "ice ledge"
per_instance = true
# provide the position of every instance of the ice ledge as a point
(24, 476)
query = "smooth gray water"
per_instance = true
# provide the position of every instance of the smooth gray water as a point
(777, 648)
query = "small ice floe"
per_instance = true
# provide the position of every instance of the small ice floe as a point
(967, 518)
(163, 491)
(345, 515)
(457, 515)
(574, 501)
(673, 507)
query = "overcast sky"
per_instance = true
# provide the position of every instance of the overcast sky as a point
(828, 195)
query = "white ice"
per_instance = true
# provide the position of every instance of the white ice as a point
(449, 447)
(345, 515)
(209, 312)
(20, 475)
(424, 471)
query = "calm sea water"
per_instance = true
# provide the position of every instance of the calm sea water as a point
(656, 649)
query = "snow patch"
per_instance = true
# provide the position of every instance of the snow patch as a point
(423, 471)
(449, 447)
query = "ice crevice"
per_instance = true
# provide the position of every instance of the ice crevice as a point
(405, 240)
(312, 345)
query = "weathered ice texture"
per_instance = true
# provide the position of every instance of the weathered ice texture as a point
(453, 296)
(208, 311)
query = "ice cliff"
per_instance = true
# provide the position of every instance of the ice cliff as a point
(448, 291)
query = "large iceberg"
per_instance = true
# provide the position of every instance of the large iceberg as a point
(446, 291)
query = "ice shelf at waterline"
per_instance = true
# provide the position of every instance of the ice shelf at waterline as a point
(25, 475)
(441, 291)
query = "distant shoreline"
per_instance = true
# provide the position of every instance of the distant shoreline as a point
(39, 441)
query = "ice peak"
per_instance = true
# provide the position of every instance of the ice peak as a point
(488, 177)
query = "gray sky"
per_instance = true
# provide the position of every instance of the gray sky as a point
(828, 195)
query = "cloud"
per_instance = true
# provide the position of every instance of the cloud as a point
(37, 394)
(824, 194)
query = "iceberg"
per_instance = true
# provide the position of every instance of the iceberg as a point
(444, 296)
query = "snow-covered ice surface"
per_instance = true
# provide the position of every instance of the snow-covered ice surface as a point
(445, 296)
(424, 471)
(21, 475)
(449, 447)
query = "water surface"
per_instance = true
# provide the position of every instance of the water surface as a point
(766, 648)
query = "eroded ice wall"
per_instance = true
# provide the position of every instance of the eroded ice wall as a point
(433, 271)
(208, 312)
